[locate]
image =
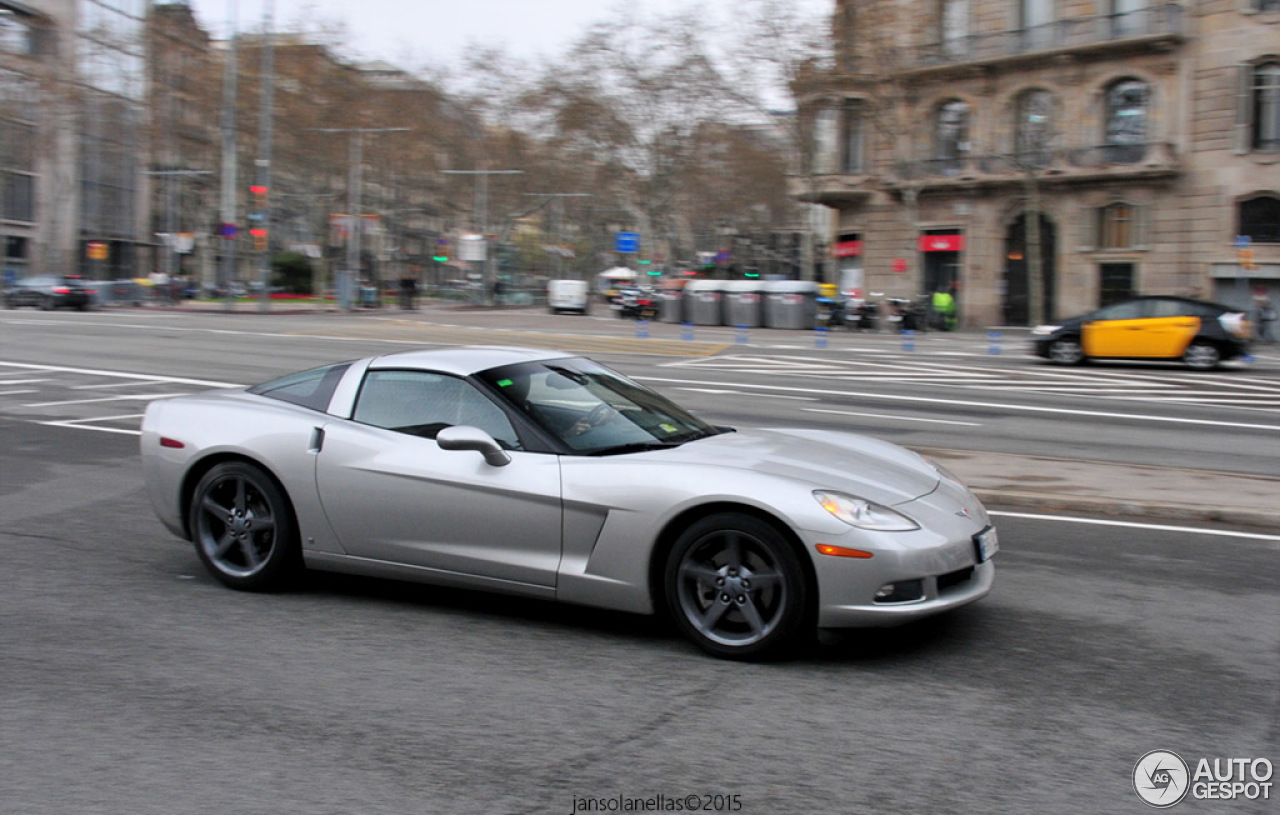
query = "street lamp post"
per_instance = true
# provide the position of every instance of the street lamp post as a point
(353, 192)
(557, 225)
(482, 225)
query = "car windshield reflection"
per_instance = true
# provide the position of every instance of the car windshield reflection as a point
(593, 410)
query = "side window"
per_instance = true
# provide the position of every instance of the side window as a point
(422, 404)
(1120, 311)
(312, 389)
(1167, 308)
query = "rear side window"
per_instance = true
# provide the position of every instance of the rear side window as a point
(310, 389)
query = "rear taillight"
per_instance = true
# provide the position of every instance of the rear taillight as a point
(62, 290)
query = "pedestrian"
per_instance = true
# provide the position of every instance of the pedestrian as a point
(408, 292)
(1266, 311)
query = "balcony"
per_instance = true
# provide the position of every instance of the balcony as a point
(1150, 160)
(831, 189)
(1159, 27)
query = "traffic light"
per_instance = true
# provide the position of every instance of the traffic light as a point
(259, 239)
(259, 196)
(440, 258)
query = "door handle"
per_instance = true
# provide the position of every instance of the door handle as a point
(317, 440)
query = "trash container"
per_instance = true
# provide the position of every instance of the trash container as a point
(742, 303)
(670, 304)
(790, 303)
(702, 302)
(369, 296)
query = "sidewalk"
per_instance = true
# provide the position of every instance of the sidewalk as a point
(1001, 480)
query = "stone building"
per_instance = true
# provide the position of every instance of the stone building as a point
(1144, 136)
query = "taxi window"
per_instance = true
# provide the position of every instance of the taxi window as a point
(1169, 308)
(1131, 310)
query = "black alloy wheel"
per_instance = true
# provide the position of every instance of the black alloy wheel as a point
(243, 528)
(735, 586)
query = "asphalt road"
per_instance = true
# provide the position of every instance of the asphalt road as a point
(131, 683)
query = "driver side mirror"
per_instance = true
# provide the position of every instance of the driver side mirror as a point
(465, 437)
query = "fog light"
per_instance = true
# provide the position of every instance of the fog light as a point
(902, 592)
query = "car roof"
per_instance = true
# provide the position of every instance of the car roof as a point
(463, 360)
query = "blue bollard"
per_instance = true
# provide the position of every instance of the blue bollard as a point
(908, 339)
(642, 329)
(993, 342)
(686, 331)
(742, 335)
(820, 337)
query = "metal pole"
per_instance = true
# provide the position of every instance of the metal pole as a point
(264, 151)
(482, 218)
(353, 237)
(229, 162)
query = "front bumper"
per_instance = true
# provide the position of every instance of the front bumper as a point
(941, 555)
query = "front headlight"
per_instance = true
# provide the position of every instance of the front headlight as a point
(1044, 330)
(864, 514)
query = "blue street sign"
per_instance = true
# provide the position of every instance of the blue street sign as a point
(1242, 241)
(626, 242)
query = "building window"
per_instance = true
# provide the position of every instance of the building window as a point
(837, 139)
(1260, 219)
(1033, 127)
(1266, 5)
(951, 132)
(1116, 227)
(953, 17)
(1125, 136)
(1034, 13)
(1127, 17)
(1266, 107)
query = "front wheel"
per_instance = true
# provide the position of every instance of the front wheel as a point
(1066, 352)
(1202, 356)
(243, 528)
(736, 587)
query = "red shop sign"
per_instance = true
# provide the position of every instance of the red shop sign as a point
(941, 243)
(847, 249)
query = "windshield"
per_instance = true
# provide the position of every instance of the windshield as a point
(594, 410)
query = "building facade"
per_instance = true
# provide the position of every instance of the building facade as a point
(72, 82)
(1041, 158)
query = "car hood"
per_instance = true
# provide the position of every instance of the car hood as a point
(846, 462)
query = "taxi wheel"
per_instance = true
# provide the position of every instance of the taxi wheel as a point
(1066, 352)
(1202, 356)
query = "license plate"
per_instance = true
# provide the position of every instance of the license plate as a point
(987, 543)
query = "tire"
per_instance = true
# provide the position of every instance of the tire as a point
(1202, 356)
(736, 588)
(243, 528)
(46, 303)
(1066, 352)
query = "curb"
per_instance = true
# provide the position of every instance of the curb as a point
(1061, 502)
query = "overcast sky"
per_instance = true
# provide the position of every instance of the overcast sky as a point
(413, 33)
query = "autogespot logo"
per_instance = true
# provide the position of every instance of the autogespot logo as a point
(1161, 778)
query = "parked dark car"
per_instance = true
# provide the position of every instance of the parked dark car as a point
(1160, 328)
(48, 292)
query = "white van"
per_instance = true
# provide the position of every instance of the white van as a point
(567, 295)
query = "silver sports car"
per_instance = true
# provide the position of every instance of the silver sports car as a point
(548, 475)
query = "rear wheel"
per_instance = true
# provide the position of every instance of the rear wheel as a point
(1202, 356)
(46, 303)
(243, 528)
(736, 588)
(1066, 352)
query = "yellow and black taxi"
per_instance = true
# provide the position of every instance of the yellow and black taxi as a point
(1158, 328)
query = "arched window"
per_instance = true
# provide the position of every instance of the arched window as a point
(1033, 127)
(1260, 219)
(951, 130)
(1125, 124)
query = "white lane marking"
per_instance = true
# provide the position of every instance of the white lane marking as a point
(127, 398)
(75, 423)
(176, 380)
(1224, 533)
(23, 381)
(722, 392)
(15, 393)
(891, 416)
(966, 403)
